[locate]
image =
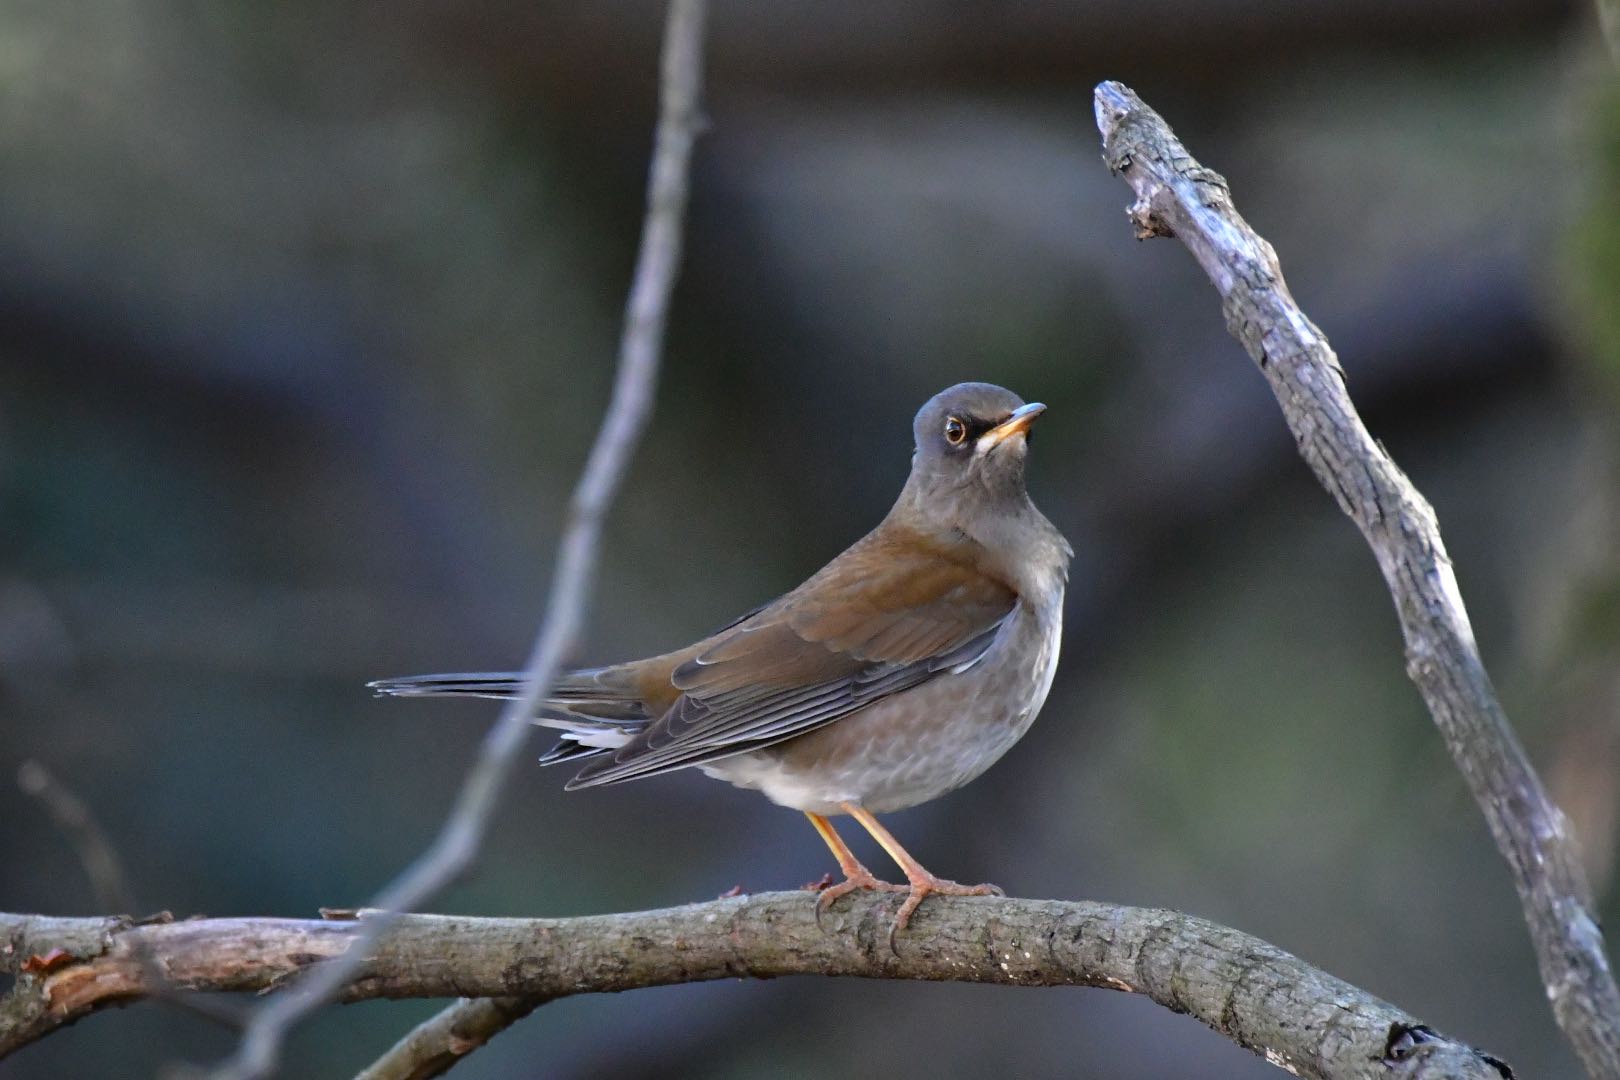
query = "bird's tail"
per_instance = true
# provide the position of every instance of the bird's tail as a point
(597, 709)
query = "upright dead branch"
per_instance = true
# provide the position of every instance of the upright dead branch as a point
(1255, 994)
(1176, 196)
(640, 352)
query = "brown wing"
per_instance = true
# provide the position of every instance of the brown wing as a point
(890, 613)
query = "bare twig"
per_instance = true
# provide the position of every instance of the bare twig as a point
(1176, 196)
(435, 1045)
(1255, 994)
(640, 351)
(96, 853)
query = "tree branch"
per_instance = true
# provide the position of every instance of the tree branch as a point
(1176, 196)
(434, 1046)
(640, 352)
(1259, 996)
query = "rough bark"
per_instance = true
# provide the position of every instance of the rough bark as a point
(1176, 196)
(1255, 994)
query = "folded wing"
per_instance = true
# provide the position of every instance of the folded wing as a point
(891, 613)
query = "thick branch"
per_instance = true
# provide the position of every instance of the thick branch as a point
(1176, 196)
(1253, 993)
(640, 355)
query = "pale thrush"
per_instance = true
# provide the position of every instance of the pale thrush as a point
(900, 671)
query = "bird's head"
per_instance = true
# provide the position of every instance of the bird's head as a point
(967, 480)
(971, 443)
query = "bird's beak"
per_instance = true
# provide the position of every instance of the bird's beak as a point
(1016, 424)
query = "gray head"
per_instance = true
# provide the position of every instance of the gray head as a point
(967, 478)
(972, 442)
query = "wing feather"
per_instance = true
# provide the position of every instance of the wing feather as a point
(890, 613)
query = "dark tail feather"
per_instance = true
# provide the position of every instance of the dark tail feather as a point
(490, 684)
(597, 693)
(579, 703)
(567, 749)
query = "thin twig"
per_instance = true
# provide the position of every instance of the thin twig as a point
(1176, 196)
(1262, 998)
(96, 854)
(437, 1044)
(640, 351)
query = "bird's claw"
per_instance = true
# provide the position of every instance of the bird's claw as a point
(861, 878)
(921, 888)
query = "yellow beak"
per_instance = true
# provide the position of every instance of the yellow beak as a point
(1016, 424)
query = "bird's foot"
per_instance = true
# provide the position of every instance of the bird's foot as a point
(856, 877)
(924, 885)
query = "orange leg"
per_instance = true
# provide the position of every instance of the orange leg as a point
(922, 882)
(856, 876)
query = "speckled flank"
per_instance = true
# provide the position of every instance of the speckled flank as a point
(916, 746)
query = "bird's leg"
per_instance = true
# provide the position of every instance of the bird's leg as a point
(856, 876)
(922, 882)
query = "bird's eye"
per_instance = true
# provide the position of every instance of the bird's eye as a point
(955, 430)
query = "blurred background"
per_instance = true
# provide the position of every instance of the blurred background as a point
(308, 312)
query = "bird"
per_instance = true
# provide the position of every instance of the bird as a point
(900, 671)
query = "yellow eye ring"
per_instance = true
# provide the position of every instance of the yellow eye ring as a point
(955, 430)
